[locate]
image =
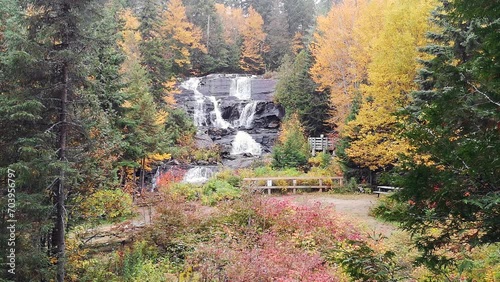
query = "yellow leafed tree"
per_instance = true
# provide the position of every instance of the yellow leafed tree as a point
(130, 39)
(391, 71)
(335, 67)
(232, 22)
(253, 43)
(179, 34)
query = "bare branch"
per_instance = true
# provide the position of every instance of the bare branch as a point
(480, 92)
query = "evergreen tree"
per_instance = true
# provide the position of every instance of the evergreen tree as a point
(218, 57)
(44, 64)
(452, 181)
(301, 15)
(25, 149)
(231, 21)
(278, 39)
(142, 122)
(296, 91)
(101, 110)
(158, 66)
(292, 148)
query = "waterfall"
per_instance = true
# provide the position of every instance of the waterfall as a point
(198, 174)
(199, 108)
(241, 88)
(247, 115)
(244, 143)
(218, 121)
(154, 182)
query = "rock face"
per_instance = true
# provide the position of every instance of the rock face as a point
(222, 106)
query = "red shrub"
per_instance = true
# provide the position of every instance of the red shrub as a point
(271, 260)
(286, 246)
(172, 176)
(320, 222)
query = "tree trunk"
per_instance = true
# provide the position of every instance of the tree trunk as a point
(142, 173)
(122, 176)
(60, 188)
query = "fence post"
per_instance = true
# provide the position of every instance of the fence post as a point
(269, 184)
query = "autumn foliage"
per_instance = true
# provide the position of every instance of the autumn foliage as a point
(180, 34)
(370, 49)
(253, 43)
(335, 67)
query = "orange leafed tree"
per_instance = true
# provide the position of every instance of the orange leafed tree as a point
(232, 22)
(179, 34)
(335, 66)
(253, 43)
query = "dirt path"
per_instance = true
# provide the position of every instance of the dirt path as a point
(355, 207)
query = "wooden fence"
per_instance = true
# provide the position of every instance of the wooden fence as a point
(294, 183)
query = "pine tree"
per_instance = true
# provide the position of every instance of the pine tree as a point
(218, 57)
(301, 15)
(25, 149)
(231, 23)
(278, 39)
(142, 121)
(45, 70)
(158, 66)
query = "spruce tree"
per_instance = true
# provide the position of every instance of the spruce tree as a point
(451, 183)
(296, 91)
(55, 113)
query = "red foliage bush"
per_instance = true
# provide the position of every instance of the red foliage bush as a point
(287, 247)
(317, 221)
(172, 176)
(270, 260)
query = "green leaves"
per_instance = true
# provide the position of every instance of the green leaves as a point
(292, 150)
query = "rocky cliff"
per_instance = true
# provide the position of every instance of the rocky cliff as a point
(222, 105)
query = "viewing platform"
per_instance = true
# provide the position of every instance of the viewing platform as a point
(321, 144)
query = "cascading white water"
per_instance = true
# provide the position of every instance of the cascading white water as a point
(241, 88)
(244, 143)
(218, 121)
(199, 108)
(154, 182)
(247, 115)
(198, 174)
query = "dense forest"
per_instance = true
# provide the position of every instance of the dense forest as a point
(407, 89)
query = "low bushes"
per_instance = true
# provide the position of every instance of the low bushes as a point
(224, 186)
(271, 240)
(109, 205)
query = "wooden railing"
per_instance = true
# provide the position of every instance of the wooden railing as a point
(299, 182)
(321, 144)
(384, 190)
